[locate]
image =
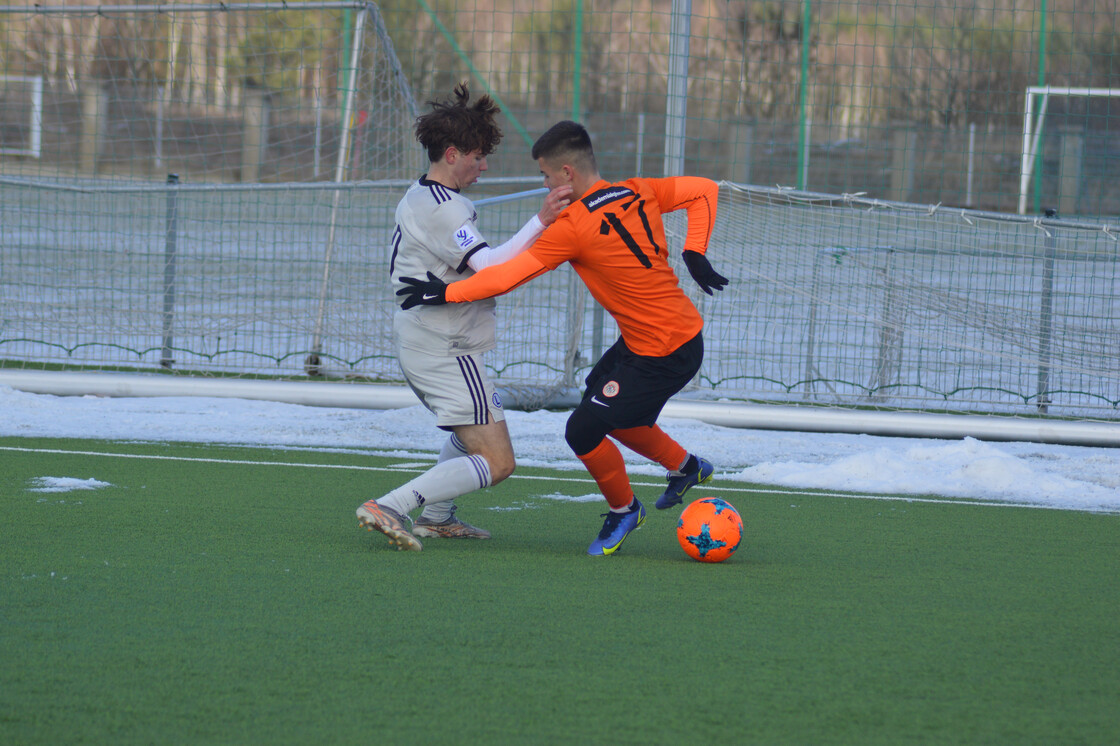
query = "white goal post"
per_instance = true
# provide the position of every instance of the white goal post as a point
(33, 85)
(1032, 127)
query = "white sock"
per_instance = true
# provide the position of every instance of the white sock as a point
(629, 507)
(440, 512)
(679, 471)
(443, 482)
(452, 448)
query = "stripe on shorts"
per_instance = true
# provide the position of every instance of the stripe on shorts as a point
(477, 390)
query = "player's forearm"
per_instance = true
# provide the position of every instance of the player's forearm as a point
(700, 196)
(520, 241)
(496, 280)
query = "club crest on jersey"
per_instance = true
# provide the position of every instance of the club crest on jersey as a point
(465, 237)
(610, 388)
(497, 400)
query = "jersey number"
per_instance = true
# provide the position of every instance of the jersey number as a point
(396, 247)
(611, 222)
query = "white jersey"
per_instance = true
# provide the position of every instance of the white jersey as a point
(436, 233)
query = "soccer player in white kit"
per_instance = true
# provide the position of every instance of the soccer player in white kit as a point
(440, 347)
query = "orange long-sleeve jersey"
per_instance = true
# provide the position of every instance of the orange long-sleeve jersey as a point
(614, 239)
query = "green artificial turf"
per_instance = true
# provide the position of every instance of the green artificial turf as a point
(208, 601)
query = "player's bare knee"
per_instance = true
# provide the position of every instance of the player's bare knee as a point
(502, 464)
(500, 469)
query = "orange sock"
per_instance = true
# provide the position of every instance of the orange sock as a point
(654, 444)
(605, 464)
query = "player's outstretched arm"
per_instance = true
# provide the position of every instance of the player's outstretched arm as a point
(486, 284)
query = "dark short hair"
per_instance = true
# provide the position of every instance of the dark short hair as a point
(459, 124)
(566, 140)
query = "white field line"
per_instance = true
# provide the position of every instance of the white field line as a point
(529, 477)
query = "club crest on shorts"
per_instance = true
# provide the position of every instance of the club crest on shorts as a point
(497, 400)
(610, 388)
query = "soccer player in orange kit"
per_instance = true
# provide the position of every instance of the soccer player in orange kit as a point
(613, 237)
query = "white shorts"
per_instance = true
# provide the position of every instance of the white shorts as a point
(456, 389)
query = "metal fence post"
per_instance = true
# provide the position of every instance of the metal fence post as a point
(169, 269)
(1046, 317)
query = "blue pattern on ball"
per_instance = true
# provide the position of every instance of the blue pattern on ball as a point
(720, 505)
(704, 541)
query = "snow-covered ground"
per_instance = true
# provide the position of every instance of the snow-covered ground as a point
(1052, 476)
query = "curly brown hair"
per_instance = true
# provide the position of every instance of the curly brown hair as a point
(457, 123)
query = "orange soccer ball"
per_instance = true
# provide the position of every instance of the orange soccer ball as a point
(710, 530)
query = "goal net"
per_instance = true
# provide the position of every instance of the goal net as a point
(227, 280)
(849, 301)
(834, 300)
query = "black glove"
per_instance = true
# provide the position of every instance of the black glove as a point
(701, 270)
(429, 292)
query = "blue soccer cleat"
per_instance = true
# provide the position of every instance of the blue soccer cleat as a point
(615, 530)
(674, 493)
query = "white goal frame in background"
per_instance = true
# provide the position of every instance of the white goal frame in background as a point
(1032, 127)
(34, 145)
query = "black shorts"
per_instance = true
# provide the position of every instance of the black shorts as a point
(627, 390)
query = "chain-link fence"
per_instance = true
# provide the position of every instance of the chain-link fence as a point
(904, 101)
